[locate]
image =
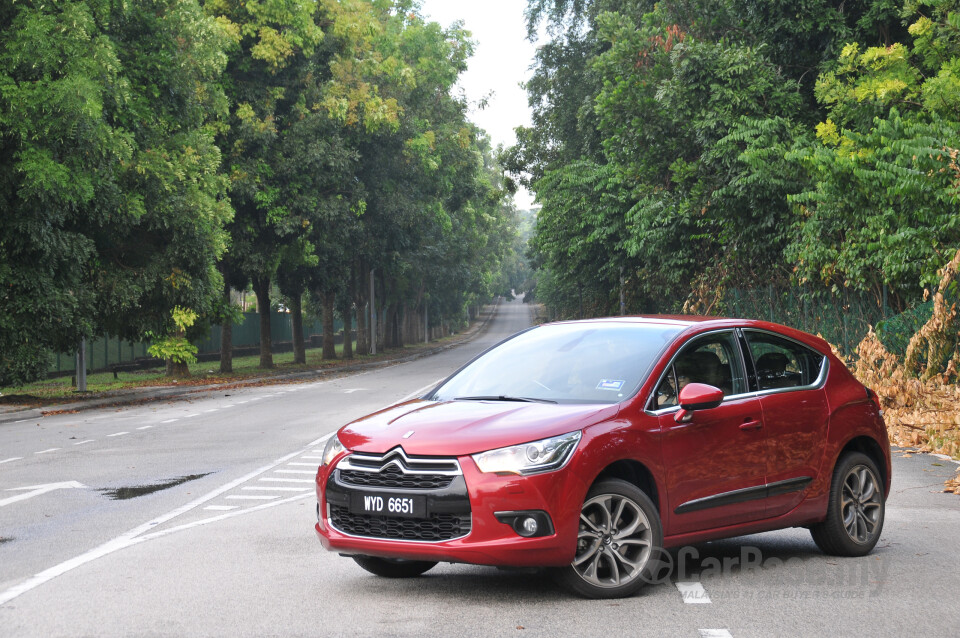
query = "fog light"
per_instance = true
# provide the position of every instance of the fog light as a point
(527, 523)
(529, 526)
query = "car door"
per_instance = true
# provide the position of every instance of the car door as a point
(716, 462)
(789, 377)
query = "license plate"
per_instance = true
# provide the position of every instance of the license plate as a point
(404, 505)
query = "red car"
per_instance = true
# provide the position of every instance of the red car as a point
(587, 446)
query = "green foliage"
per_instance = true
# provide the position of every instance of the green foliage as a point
(881, 207)
(113, 202)
(175, 347)
(702, 145)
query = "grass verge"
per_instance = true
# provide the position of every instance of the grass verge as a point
(246, 370)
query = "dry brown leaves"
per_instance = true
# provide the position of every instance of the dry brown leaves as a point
(934, 347)
(921, 408)
(953, 485)
(921, 414)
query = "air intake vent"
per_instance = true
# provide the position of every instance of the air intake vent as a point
(438, 527)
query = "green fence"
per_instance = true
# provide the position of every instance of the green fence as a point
(107, 351)
(842, 318)
(101, 354)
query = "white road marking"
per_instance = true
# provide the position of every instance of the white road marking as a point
(192, 415)
(22, 421)
(213, 519)
(303, 465)
(312, 458)
(224, 407)
(14, 458)
(146, 427)
(693, 593)
(256, 398)
(714, 633)
(117, 434)
(37, 490)
(169, 421)
(352, 390)
(242, 402)
(294, 472)
(286, 480)
(213, 410)
(53, 449)
(221, 508)
(277, 489)
(253, 497)
(82, 442)
(137, 534)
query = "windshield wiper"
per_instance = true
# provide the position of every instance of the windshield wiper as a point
(504, 397)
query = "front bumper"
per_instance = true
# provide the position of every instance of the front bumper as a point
(487, 540)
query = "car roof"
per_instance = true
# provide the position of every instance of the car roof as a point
(692, 324)
(677, 320)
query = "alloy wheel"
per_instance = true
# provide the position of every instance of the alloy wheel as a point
(614, 542)
(861, 505)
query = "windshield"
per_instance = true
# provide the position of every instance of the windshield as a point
(563, 363)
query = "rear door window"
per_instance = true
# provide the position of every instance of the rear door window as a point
(781, 363)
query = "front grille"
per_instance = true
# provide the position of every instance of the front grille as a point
(392, 477)
(397, 460)
(438, 527)
(438, 482)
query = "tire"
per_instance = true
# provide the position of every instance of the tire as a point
(855, 511)
(618, 545)
(393, 567)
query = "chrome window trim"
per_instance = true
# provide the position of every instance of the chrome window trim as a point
(817, 384)
(675, 408)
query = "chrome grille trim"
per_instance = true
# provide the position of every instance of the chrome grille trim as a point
(364, 462)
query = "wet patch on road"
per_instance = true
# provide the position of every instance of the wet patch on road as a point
(124, 493)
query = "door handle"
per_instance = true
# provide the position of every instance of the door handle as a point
(751, 425)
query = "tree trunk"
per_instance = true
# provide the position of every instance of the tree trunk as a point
(179, 370)
(261, 286)
(226, 334)
(347, 328)
(329, 345)
(360, 300)
(391, 331)
(363, 343)
(296, 322)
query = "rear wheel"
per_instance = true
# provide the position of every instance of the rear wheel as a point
(856, 509)
(618, 543)
(393, 567)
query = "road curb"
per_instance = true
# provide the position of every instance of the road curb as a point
(162, 393)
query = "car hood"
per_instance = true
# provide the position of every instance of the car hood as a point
(458, 428)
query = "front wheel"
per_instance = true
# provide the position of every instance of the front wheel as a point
(855, 511)
(618, 543)
(393, 567)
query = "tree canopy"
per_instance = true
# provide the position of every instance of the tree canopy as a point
(681, 148)
(150, 149)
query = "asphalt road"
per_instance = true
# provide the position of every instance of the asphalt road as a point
(196, 518)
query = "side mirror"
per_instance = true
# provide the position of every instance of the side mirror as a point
(697, 396)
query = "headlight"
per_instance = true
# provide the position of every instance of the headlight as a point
(530, 458)
(332, 449)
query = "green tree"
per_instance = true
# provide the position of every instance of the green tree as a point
(113, 203)
(882, 205)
